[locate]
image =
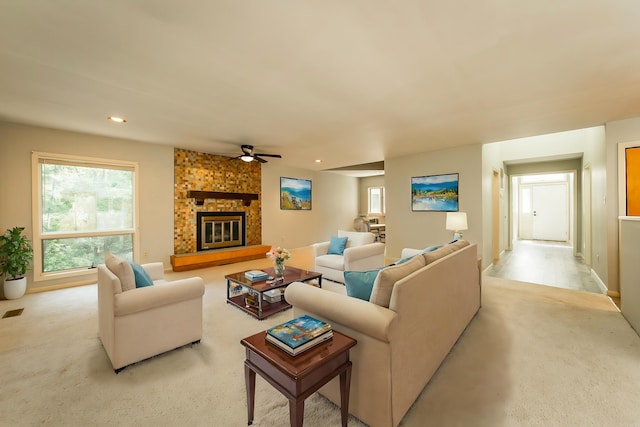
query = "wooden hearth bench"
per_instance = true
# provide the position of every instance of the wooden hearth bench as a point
(202, 259)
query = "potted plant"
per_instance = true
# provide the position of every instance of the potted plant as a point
(16, 254)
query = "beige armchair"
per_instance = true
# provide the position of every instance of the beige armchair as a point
(139, 323)
(362, 253)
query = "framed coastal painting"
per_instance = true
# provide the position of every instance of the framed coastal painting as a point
(437, 193)
(295, 194)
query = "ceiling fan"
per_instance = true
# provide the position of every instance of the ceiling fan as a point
(249, 156)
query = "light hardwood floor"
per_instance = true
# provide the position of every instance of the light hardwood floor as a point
(545, 263)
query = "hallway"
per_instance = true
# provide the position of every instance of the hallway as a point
(545, 263)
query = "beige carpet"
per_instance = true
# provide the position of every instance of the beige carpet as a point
(533, 356)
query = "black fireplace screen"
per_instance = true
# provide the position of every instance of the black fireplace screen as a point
(220, 230)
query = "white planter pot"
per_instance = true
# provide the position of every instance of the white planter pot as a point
(14, 289)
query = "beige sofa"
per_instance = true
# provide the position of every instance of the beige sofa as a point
(430, 301)
(362, 253)
(139, 323)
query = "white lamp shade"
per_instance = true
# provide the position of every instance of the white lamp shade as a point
(456, 221)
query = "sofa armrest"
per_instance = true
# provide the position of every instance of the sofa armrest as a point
(141, 299)
(365, 251)
(320, 249)
(362, 316)
(155, 270)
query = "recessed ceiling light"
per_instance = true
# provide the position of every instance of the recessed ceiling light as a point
(116, 119)
(318, 161)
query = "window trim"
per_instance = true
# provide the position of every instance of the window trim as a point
(36, 210)
(622, 175)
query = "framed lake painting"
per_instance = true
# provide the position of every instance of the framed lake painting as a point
(295, 194)
(437, 193)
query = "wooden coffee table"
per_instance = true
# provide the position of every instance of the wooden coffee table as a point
(298, 377)
(238, 287)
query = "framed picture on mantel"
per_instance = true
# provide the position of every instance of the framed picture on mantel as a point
(295, 194)
(437, 193)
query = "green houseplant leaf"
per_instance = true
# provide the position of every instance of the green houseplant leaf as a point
(16, 253)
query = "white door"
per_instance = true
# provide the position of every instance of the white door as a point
(550, 205)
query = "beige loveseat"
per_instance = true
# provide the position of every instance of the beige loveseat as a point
(430, 300)
(139, 323)
(362, 253)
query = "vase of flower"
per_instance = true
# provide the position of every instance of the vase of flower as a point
(279, 268)
(279, 256)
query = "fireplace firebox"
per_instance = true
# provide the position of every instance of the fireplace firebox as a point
(217, 230)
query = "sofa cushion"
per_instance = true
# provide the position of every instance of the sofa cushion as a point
(335, 262)
(388, 276)
(444, 251)
(141, 276)
(123, 271)
(357, 238)
(359, 284)
(337, 245)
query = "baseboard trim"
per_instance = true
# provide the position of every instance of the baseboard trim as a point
(487, 268)
(61, 286)
(600, 283)
(613, 294)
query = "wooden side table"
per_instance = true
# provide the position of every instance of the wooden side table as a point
(300, 376)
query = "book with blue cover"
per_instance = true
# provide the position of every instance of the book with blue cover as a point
(299, 331)
(254, 275)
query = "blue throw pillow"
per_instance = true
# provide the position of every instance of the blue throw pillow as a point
(359, 284)
(141, 276)
(337, 245)
(431, 249)
(403, 260)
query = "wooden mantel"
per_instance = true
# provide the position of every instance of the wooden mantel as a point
(201, 195)
(202, 259)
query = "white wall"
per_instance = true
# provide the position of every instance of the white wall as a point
(405, 228)
(155, 182)
(491, 161)
(334, 206)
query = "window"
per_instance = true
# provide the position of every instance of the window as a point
(376, 200)
(82, 208)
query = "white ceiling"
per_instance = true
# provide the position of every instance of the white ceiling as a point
(347, 82)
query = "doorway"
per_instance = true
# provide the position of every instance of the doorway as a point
(543, 230)
(543, 207)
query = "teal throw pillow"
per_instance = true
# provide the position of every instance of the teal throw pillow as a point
(141, 276)
(359, 284)
(431, 249)
(402, 260)
(337, 245)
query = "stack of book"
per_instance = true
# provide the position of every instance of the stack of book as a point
(299, 334)
(254, 275)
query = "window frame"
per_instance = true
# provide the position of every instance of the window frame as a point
(36, 203)
(622, 175)
(382, 201)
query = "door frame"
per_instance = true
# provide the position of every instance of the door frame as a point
(573, 195)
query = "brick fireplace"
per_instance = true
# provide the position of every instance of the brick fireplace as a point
(196, 171)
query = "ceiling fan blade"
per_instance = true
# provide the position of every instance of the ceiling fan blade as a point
(235, 158)
(258, 159)
(269, 155)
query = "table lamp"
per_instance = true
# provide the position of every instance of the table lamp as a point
(456, 222)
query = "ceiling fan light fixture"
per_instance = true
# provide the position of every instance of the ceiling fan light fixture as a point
(246, 158)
